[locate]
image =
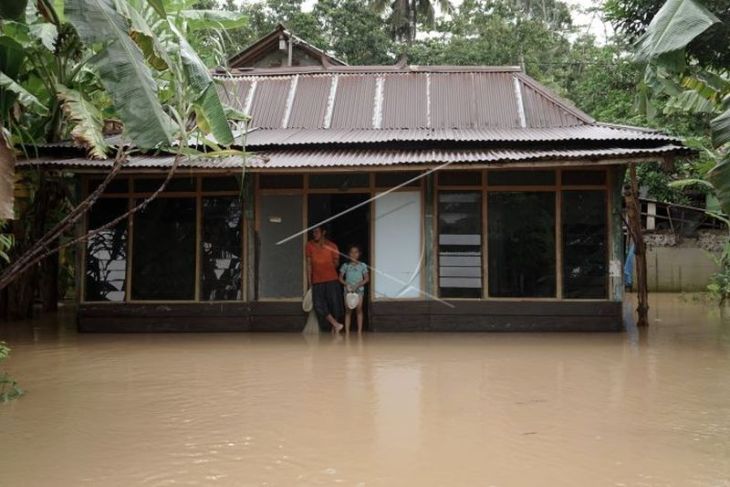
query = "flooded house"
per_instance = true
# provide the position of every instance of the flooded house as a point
(481, 200)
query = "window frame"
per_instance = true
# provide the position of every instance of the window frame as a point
(557, 188)
(251, 223)
(131, 195)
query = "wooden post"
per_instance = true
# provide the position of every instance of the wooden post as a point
(429, 229)
(616, 253)
(633, 210)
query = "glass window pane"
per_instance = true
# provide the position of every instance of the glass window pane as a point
(281, 181)
(585, 234)
(118, 185)
(220, 249)
(224, 183)
(584, 178)
(150, 185)
(106, 252)
(280, 267)
(394, 178)
(460, 244)
(163, 255)
(521, 178)
(341, 181)
(397, 245)
(521, 244)
(460, 178)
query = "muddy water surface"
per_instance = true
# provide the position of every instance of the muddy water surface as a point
(649, 409)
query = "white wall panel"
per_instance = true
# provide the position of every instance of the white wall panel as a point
(398, 250)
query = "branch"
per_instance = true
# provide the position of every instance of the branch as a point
(8, 277)
(70, 219)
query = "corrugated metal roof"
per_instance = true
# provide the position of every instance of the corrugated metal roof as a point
(310, 102)
(403, 106)
(269, 102)
(411, 98)
(330, 158)
(354, 102)
(233, 93)
(300, 137)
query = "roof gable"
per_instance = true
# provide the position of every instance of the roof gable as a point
(267, 52)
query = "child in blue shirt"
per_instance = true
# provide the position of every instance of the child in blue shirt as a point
(354, 276)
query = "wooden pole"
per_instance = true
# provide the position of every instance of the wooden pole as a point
(633, 209)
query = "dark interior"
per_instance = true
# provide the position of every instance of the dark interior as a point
(349, 229)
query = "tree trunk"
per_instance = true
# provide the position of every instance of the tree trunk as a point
(633, 208)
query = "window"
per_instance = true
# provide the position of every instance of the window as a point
(390, 179)
(460, 178)
(106, 252)
(118, 185)
(150, 185)
(584, 178)
(585, 235)
(521, 244)
(220, 249)
(281, 181)
(521, 178)
(223, 183)
(163, 264)
(460, 244)
(341, 181)
(280, 265)
(398, 252)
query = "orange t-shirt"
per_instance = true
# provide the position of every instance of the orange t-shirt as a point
(324, 260)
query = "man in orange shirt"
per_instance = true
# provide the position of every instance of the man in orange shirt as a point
(323, 258)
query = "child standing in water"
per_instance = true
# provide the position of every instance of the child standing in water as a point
(354, 276)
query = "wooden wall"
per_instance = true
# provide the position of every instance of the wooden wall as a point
(387, 316)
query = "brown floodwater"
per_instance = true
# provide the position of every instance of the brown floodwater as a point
(628, 409)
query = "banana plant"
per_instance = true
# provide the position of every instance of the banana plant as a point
(138, 67)
(690, 89)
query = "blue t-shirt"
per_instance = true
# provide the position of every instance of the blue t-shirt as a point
(354, 273)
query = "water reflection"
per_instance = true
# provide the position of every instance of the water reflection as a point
(648, 407)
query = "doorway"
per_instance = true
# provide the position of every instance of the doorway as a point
(352, 228)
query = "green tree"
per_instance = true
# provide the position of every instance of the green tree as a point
(468, 38)
(404, 17)
(353, 32)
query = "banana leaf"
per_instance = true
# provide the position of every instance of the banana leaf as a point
(122, 71)
(87, 121)
(46, 33)
(158, 6)
(719, 176)
(720, 128)
(208, 107)
(674, 26)
(24, 97)
(212, 19)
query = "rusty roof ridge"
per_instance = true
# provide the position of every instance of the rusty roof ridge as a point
(621, 126)
(364, 69)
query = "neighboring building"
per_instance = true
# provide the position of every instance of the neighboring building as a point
(482, 201)
(281, 49)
